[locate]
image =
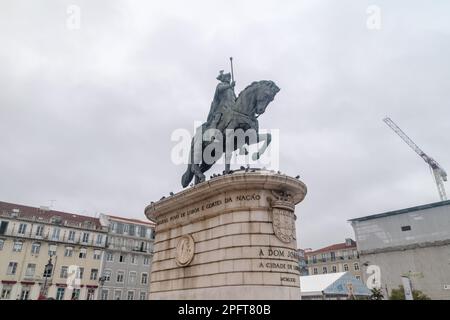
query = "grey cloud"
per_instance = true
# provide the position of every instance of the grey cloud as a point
(86, 115)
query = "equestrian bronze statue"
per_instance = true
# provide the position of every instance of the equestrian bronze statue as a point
(229, 115)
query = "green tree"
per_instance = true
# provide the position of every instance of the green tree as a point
(399, 294)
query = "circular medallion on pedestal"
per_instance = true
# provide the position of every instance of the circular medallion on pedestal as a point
(184, 251)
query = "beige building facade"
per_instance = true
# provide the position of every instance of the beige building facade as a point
(340, 257)
(32, 238)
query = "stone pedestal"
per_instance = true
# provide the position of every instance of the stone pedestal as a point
(232, 237)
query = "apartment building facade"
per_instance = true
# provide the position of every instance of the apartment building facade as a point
(303, 267)
(126, 265)
(340, 257)
(49, 253)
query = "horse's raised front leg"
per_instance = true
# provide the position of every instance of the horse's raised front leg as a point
(199, 176)
(267, 138)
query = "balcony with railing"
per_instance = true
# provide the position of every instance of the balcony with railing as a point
(331, 259)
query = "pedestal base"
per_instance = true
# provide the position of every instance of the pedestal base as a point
(232, 237)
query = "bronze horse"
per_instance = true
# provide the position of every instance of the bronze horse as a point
(250, 104)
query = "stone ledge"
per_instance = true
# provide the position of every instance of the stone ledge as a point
(226, 279)
(229, 253)
(227, 266)
(249, 239)
(213, 223)
(234, 228)
(262, 180)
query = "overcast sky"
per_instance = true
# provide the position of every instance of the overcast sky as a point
(86, 114)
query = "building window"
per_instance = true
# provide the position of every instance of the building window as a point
(315, 271)
(119, 276)
(109, 256)
(17, 246)
(68, 252)
(119, 228)
(122, 258)
(358, 277)
(90, 294)
(22, 228)
(63, 274)
(324, 270)
(3, 227)
(130, 295)
(55, 234)
(314, 259)
(12, 268)
(6, 292)
(345, 267)
(334, 269)
(406, 228)
(35, 248)
(85, 237)
(104, 295)
(94, 274)
(356, 266)
(2, 242)
(118, 295)
(99, 239)
(146, 261)
(31, 269)
(131, 231)
(75, 294)
(25, 293)
(332, 256)
(39, 231)
(97, 254)
(142, 296)
(144, 278)
(71, 236)
(142, 231)
(107, 275)
(132, 277)
(60, 293)
(80, 273)
(125, 228)
(82, 254)
(52, 250)
(133, 259)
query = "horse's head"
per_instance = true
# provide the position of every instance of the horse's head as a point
(265, 93)
(254, 99)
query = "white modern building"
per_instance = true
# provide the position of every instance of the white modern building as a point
(412, 242)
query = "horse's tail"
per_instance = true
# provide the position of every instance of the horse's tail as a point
(187, 176)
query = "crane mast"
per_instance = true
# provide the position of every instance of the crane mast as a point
(438, 172)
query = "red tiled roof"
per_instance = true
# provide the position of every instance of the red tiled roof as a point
(30, 212)
(132, 220)
(333, 247)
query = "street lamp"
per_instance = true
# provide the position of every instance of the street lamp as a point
(48, 270)
(101, 281)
